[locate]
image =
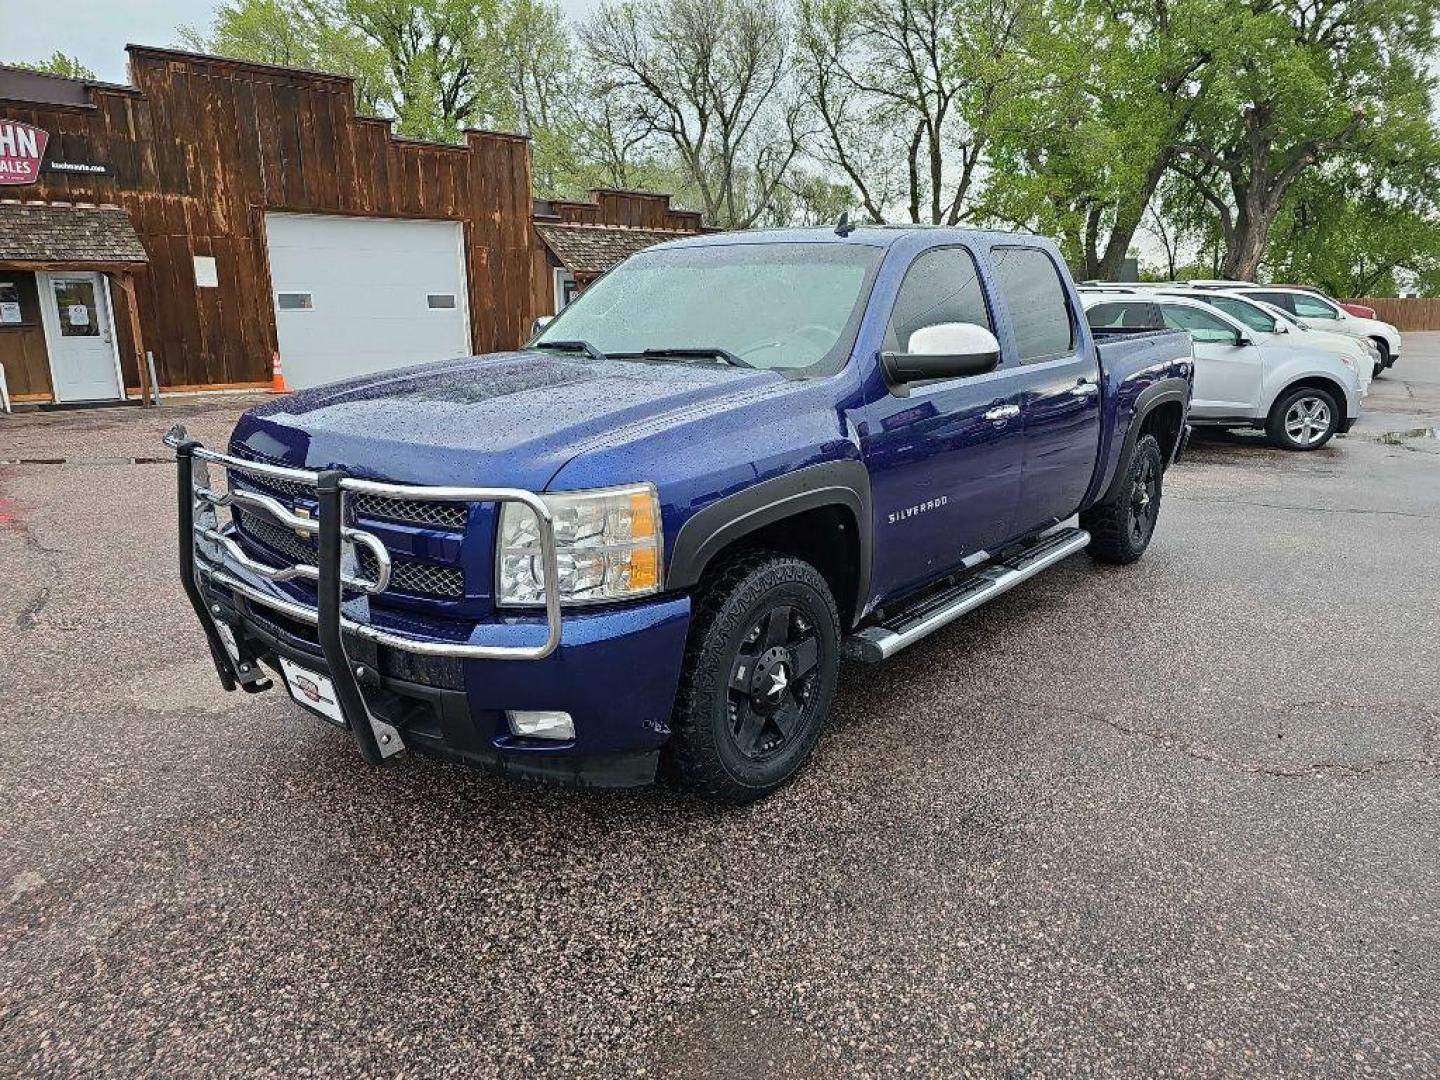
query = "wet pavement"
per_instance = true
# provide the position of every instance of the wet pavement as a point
(1177, 818)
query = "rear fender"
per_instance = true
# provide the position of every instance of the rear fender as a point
(1160, 392)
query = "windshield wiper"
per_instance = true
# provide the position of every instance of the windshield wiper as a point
(695, 352)
(571, 346)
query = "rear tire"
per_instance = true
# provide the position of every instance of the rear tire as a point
(760, 672)
(1120, 528)
(1305, 418)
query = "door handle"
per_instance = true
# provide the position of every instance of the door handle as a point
(1084, 388)
(1002, 412)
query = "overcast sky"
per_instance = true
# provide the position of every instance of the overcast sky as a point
(97, 31)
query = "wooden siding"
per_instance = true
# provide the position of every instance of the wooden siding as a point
(1407, 313)
(22, 344)
(200, 148)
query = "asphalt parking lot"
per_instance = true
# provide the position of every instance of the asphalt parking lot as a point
(1178, 818)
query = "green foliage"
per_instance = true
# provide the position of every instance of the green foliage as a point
(1297, 86)
(1118, 81)
(1357, 237)
(59, 64)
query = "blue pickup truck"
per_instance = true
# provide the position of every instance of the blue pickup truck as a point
(647, 538)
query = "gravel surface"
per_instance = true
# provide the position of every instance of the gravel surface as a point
(1174, 819)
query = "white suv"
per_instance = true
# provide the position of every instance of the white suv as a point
(1275, 326)
(1301, 397)
(1322, 314)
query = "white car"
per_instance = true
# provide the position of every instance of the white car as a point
(1321, 314)
(1301, 397)
(1275, 326)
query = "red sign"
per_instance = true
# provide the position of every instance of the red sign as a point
(21, 149)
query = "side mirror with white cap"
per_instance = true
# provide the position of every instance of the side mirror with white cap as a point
(949, 350)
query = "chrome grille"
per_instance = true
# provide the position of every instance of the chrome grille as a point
(445, 515)
(405, 576)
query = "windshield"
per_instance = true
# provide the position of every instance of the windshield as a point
(777, 306)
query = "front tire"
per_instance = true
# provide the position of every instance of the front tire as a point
(1305, 418)
(1385, 360)
(1121, 527)
(760, 672)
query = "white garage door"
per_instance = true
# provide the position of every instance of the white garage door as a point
(356, 295)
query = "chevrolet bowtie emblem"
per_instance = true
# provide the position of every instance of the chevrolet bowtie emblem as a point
(302, 512)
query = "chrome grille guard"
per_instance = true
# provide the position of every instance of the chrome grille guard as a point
(207, 551)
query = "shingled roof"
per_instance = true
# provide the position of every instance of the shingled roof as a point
(48, 234)
(589, 250)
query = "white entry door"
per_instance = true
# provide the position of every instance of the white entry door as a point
(80, 336)
(357, 295)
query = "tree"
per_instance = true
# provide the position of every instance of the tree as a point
(707, 80)
(908, 94)
(1121, 81)
(1362, 231)
(1302, 84)
(807, 198)
(59, 63)
(296, 33)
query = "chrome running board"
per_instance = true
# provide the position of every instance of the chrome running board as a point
(884, 640)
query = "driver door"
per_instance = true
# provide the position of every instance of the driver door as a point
(1228, 376)
(945, 459)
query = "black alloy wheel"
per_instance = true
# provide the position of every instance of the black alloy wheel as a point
(1144, 501)
(773, 683)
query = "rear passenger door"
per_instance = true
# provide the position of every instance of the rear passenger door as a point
(1059, 386)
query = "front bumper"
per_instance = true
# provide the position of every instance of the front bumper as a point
(432, 684)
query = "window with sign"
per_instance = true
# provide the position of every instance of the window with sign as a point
(79, 312)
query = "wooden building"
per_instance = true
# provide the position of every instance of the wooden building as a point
(220, 214)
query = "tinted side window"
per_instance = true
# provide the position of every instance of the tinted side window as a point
(1035, 297)
(1249, 314)
(1202, 325)
(1283, 300)
(1312, 307)
(1125, 315)
(941, 286)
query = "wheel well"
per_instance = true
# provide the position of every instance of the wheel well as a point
(826, 537)
(1315, 382)
(1163, 421)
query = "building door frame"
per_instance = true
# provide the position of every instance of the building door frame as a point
(50, 323)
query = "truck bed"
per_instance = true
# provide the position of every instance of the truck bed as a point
(1120, 348)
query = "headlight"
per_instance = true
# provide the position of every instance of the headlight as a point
(607, 547)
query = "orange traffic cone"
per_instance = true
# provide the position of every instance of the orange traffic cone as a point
(277, 379)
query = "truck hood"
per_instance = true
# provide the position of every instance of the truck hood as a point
(506, 420)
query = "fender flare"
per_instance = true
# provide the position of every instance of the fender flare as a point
(844, 483)
(1160, 392)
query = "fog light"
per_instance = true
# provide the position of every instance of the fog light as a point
(541, 724)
